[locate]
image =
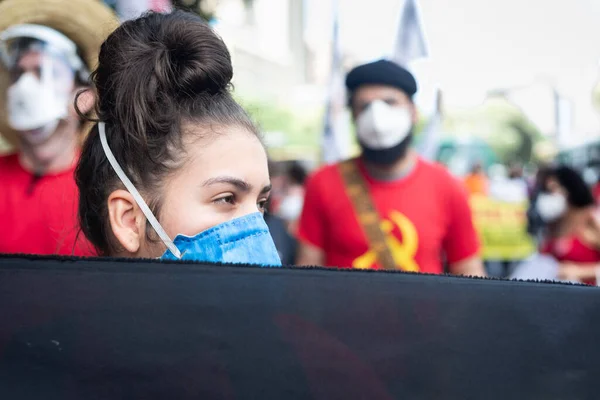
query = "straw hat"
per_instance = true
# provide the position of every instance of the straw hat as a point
(85, 22)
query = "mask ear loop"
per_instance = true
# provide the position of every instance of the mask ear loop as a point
(136, 195)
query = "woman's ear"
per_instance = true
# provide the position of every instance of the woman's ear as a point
(84, 99)
(127, 220)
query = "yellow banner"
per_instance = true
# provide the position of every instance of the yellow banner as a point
(502, 228)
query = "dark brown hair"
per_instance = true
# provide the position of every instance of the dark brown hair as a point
(155, 73)
(579, 194)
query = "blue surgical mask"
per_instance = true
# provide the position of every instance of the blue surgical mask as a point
(244, 240)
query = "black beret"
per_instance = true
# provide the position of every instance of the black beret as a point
(382, 72)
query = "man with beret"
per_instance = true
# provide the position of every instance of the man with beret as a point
(47, 50)
(387, 209)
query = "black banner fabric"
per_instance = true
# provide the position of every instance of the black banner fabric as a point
(107, 329)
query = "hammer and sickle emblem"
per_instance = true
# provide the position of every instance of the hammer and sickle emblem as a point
(403, 251)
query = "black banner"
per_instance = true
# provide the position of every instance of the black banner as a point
(107, 329)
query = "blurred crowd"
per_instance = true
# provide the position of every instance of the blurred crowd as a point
(556, 209)
(561, 216)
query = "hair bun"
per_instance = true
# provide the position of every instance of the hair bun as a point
(196, 58)
(154, 65)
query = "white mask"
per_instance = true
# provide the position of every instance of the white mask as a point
(382, 126)
(551, 206)
(291, 207)
(35, 104)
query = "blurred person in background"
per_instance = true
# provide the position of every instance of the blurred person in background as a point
(572, 236)
(530, 172)
(285, 243)
(512, 189)
(476, 181)
(278, 173)
(387, 209)
(47, 48)
(291, 205)
(535, 223)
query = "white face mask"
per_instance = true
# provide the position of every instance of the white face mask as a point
(382, 126)
(34, 104)
(291, 207)
(551, 206)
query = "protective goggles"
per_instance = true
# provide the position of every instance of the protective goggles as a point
(20, 39)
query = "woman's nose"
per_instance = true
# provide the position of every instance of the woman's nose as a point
(249, 207)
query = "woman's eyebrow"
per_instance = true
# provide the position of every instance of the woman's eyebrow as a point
(238, 183)
(266, 189)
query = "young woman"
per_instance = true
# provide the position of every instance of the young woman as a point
(172, 148)
(573, 232)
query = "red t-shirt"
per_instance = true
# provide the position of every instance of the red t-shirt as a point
(426, 216)
(39, 216)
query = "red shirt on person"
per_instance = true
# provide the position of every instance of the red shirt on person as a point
(39, 216)
(575, 250)
(426, 215)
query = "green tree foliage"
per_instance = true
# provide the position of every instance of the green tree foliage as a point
(502, 125)
(300, 128)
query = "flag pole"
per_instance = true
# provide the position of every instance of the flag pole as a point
(334, 108)
(410, 43)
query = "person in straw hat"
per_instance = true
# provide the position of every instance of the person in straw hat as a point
(47, 50)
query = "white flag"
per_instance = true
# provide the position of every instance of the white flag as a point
(410, 37)
(334, 124)
(563, 120)
(411, 45)
(432, 132)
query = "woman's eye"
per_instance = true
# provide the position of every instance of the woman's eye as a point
(262, 205)
(225, 200)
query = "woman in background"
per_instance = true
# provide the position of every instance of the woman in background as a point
(572, 236)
